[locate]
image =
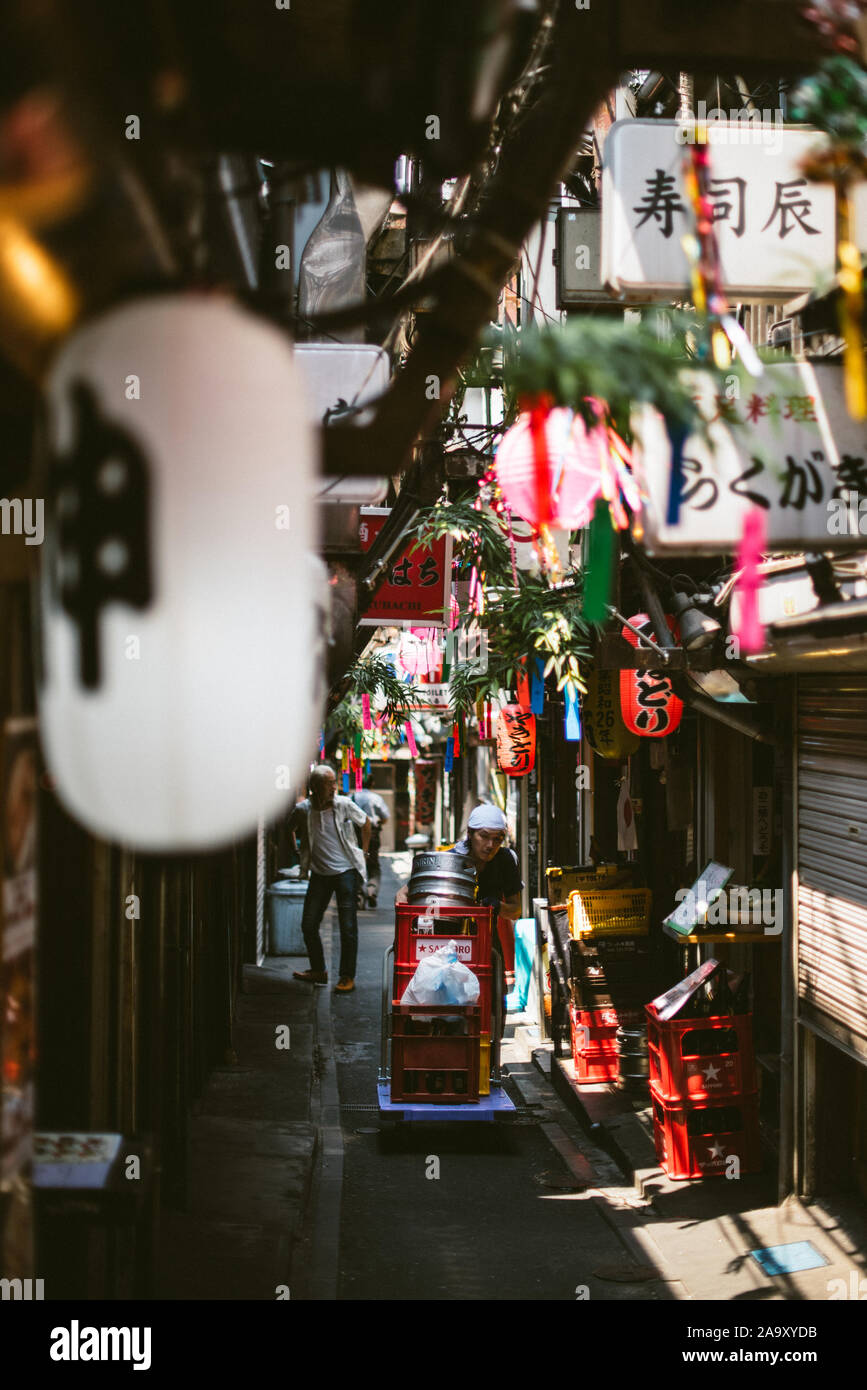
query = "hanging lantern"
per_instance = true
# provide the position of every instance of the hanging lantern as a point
(412, 655)
(604, 728)
(649, 705)
(181, 635)
(516, 741)
(574, 469)
(425, 791)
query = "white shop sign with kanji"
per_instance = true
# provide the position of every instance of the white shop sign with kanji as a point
(785, 444)
(775, 230)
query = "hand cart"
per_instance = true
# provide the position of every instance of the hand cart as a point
(452, 1051)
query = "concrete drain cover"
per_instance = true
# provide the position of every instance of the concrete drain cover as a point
(560, 1182)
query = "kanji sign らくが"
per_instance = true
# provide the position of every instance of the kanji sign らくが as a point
(775, 230)
(785, 444)
(415, 588)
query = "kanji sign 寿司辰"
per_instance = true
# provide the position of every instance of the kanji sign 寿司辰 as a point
(775, 230)
(416, 585)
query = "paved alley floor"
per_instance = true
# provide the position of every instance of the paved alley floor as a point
(456, 1212)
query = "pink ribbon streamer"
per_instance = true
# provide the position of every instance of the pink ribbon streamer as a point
(750, 632)
(410, 740)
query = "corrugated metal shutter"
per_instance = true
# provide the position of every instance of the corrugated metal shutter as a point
(832, 856)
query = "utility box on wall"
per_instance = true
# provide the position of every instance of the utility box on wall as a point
(578, 257)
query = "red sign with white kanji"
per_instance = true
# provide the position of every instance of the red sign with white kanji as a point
(416, 586)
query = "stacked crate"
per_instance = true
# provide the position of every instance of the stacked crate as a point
(437, 1051)
(705, 1095)
(609, 968)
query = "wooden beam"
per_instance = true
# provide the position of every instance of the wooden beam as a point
(750, 37)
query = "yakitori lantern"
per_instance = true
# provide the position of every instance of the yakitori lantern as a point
(603, 722)
(553, 455)
(516, 741)
(181, 597)
(649, 705)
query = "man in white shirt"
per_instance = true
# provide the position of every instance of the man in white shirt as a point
(336, 866)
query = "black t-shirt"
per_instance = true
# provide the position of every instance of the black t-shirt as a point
(499, 879)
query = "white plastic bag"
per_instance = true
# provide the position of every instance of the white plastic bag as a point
(442, 979)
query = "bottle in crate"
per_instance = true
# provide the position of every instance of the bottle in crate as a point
(430, 1065)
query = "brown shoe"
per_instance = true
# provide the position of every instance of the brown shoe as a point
(312, 977)
(344, 985)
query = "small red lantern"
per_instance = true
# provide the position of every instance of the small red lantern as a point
(650, 707)
(516, 741)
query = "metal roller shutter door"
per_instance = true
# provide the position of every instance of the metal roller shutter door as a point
(832, 856)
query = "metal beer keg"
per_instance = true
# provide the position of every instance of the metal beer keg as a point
(633, 1061)
(444, 876)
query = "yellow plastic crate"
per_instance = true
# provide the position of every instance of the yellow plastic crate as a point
(485, 1065)
(563, 881)
(609, 912)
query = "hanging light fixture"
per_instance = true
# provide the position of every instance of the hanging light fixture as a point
(697, 629)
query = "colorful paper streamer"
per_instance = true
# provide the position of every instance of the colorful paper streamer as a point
(572, 726)
(598, 569)
(750, 632)
(537, 688)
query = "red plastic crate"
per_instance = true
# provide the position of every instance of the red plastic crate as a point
(594, 1049)
(410, 945)
(701, 1058)
(700, 1140)
(612, 1016)
(435, 1054)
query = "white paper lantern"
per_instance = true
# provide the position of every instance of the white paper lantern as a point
(181, 641)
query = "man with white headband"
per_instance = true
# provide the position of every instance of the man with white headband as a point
(498, 877)
(497, 870)
(497, 874)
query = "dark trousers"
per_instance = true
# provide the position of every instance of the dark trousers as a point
(373, 853)
(319, 890)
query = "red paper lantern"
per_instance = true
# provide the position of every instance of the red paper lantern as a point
(650, 707)
(516, 741)
(572, 463)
